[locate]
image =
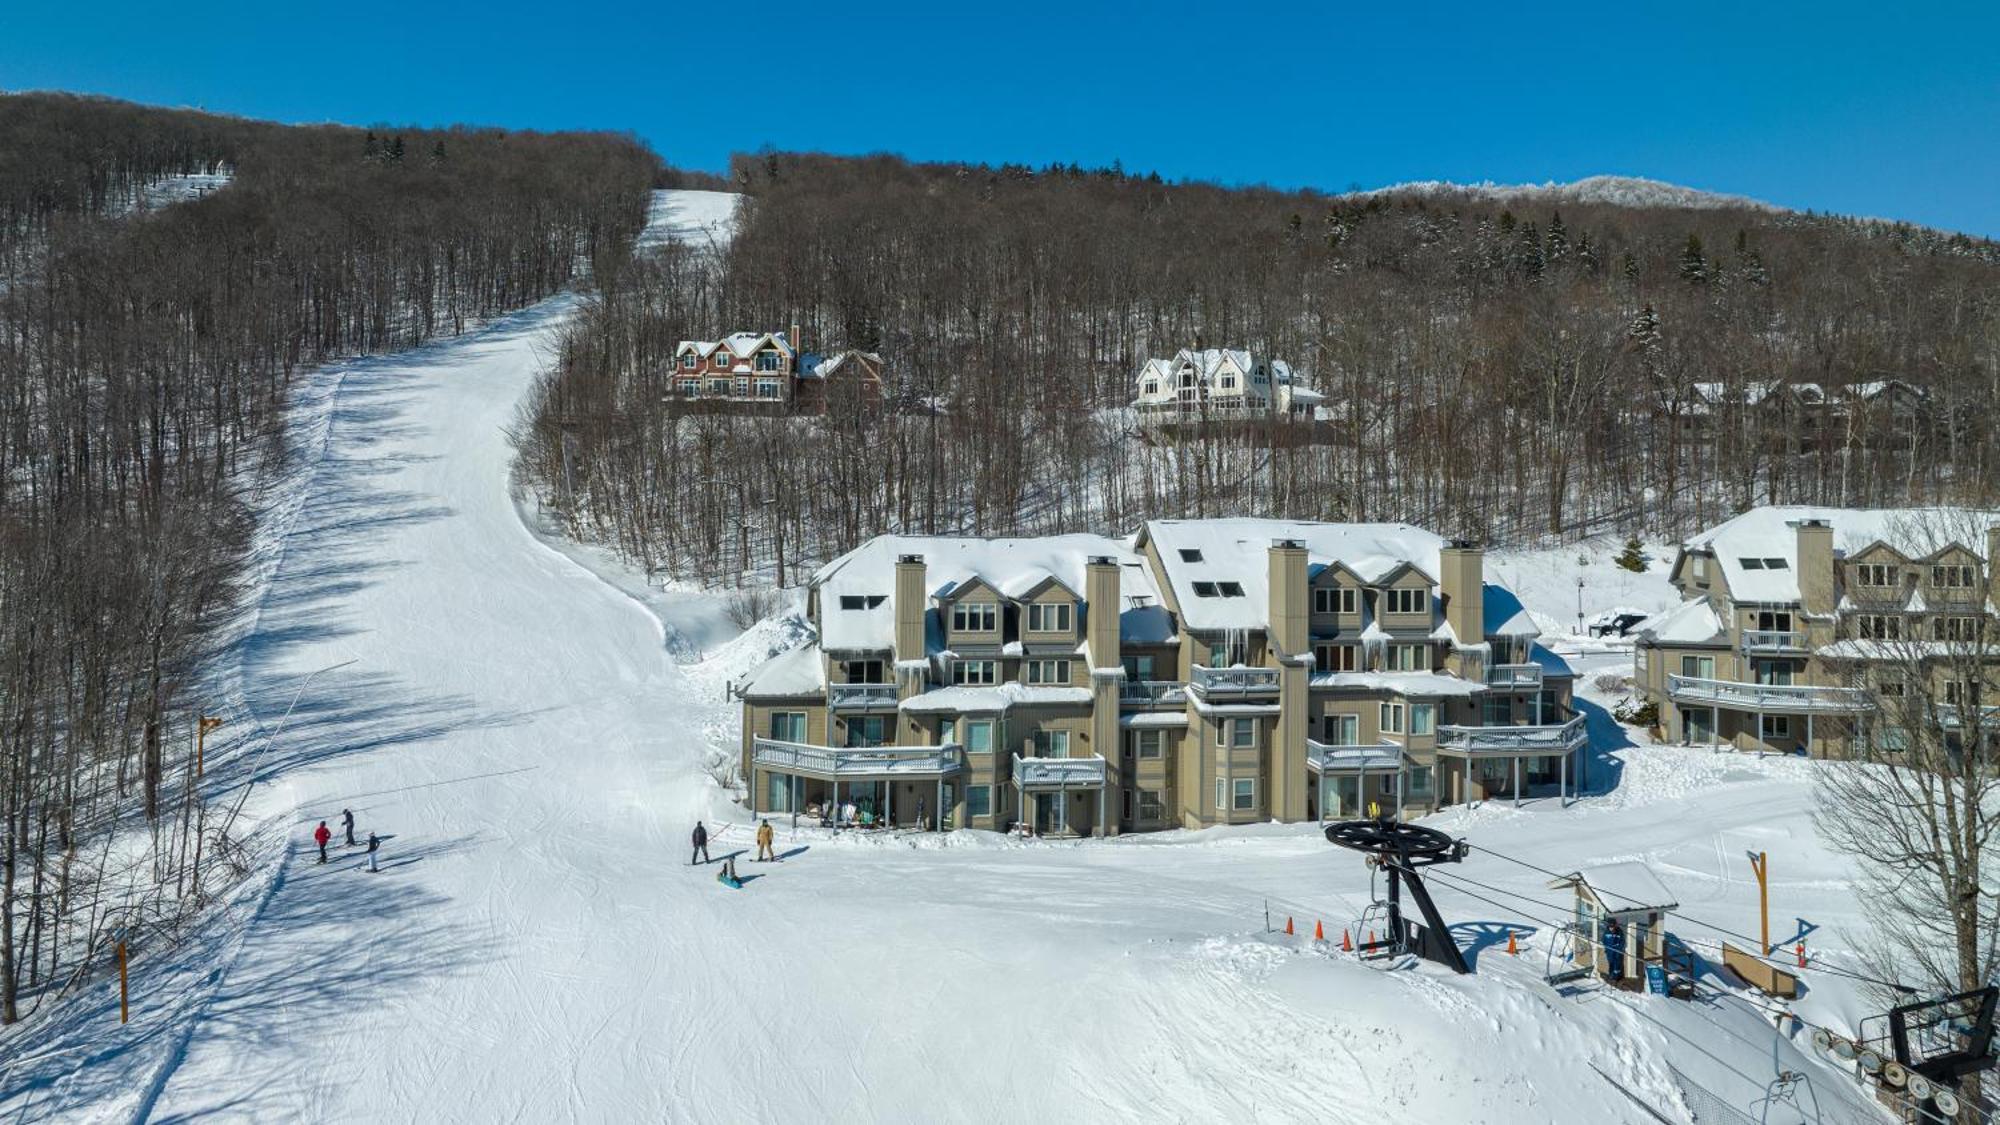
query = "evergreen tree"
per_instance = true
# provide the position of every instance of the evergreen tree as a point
(1558, 241)
(396, 150)
(371, 148)
(1629, 265)
(1694, 266)
(1633, 557)
(437, 153)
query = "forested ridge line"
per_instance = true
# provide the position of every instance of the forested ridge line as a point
(1511, 370)
(145, 363)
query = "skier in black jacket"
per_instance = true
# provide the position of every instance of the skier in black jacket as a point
(347, 821)
(700, 844)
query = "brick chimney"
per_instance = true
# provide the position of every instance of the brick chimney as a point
(1463, 588)
(798, 345)
(1815, 563)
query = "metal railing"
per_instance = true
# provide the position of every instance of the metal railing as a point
(1327, 758)
(1777, 698)
(831, 761)
(1152, 693)
(861, 697)
(1550, 738)
(1059, 773)
(1235, 681)
(1524, 676)
(1773, 640)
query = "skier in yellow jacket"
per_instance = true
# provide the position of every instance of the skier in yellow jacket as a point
(764, 834)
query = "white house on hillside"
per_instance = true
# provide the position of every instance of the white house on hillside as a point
(1224, 384)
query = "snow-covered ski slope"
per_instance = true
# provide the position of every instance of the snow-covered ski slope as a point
(537, 948)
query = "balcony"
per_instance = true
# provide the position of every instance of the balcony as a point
(861, 697)
(1773, 641)
(1553, 738)
(1325, 758)
(1768, 699)
(1152, 693)
(1514, 677)
(1058, 774)
(1235, 683)
(834, 763)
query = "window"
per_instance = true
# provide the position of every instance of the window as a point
(1878, 627)
(1334, 599)
(1420, 781)
(1334, 658)
(861, 601)
(972, 672)
(864, 671)
(742, 386)
(1699, 667)
(1343, 730)
(1204, 589)
(1051, 744)
(1777, 726)
(1957, 692)
(1423, 718)
(1150, 387)
(1147, 743)
(1048, 671)
(979, 800)
(1190, 554)
(1955, 628)
(978, 735)
(1889, 685)
(1774, 622)
(867, 730)
(1220, 802)
(1245, 796)
(1875, 574)
(769, 388)
(770, 360)
(1751, 564)
(1953, 576)
(1409, 601)
(1138, 668)
(974, 617)
(1701, 568)
(719, 388)
(1776, 673)
(1776, 564)
(1151, 805)
(1242, 733)
(690, 361)
(1231, 589)
(1049, 617)
(1407, 658)
(1224, 654)
(788, 726)
(691, 387)
(1392, 718)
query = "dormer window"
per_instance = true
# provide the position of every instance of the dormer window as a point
(1875, 574)
(1049, 617)
(770, 360)
(1190, 554)
(690, 361)
(1408, 601)
(974, 617)
(1955, 576)
(1334, 599)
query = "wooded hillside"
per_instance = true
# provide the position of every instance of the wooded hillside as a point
(1499, 369)
(145, 362)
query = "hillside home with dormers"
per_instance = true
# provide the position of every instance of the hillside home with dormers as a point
(1799, 621)
(1201, 672)
(750, 368)
(1218, 384)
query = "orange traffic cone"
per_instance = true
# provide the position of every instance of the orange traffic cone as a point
(1319, 931)
(1346, 942)
(1513, 950)
(1288, 924)
(1371, 937)
(1802, 955)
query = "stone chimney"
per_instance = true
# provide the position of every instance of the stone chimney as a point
(1289, 608)
(1101, 606)
(912, 600)
(1815, 563)
(1463, 588)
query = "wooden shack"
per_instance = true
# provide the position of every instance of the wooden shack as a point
(1620, 924)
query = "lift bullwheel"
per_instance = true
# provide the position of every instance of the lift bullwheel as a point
(1400, 849)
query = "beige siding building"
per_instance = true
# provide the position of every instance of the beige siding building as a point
(1202, 672)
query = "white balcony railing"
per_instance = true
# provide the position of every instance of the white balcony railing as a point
(1326, 758)
(1773, 640)
(1768, 698)
(1059, 773)
(1551, 738)
(1213, 682)
(861, 697)
(1152, 693)
(1523, 677)
(832, 761)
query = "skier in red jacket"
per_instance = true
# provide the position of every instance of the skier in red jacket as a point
(320, 836)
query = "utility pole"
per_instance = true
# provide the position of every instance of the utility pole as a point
(202, 726)
(1760, 862)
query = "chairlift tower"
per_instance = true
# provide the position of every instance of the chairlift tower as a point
(1401, 850)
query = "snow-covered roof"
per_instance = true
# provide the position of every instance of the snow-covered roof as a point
(1690, 623)
(1208, 364)
(1768, 538)
(800, 671)
(741, 345)
(1552, 665)
(1237, 550)
(1628, 885)
(1505, 615)
(829, 366)
(1422, 685)
(965, 699)
(1011, 566)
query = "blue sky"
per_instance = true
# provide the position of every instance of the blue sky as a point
(1887, 110)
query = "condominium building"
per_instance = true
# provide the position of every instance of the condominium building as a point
(1799, 621)
(1200, 672)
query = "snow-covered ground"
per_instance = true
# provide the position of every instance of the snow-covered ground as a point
(523, 727)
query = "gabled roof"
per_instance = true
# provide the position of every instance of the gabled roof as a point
(1238, 550)
(799, 672)
(741, 345)
(1689, 623)
(1505, 616)
(1772, 533)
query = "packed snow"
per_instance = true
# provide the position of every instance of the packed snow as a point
(529, 728)
(1620, 191)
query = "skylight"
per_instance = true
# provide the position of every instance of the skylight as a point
(1190, 554)
(1751, 564)
(1232, 589)
(1776, 564)
(1204, 589)
(862, 601)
